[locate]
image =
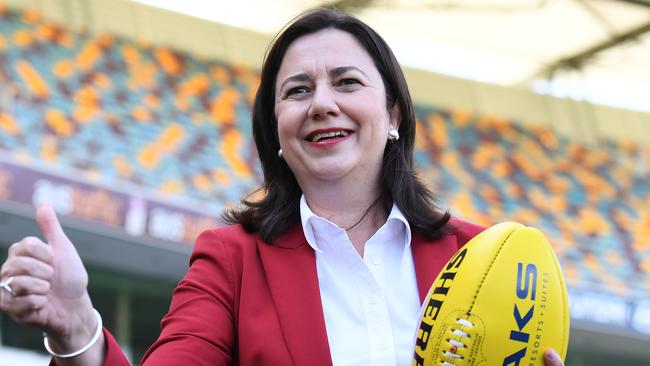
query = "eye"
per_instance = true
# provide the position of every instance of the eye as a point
(297, 91)
(348, 81)
(348, 84)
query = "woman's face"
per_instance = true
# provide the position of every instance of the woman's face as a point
(331, 110)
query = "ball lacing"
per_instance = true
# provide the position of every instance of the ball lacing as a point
(452, 352)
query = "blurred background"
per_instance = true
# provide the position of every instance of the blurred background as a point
(133, 120)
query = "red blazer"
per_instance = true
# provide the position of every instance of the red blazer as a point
(245, 302)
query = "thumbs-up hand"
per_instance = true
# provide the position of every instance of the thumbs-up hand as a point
(48, 285)
(70, 279)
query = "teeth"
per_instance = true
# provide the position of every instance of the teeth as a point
(320, 136)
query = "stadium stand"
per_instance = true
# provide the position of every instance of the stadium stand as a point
(120, 111)
(112, 110)
(123, 111)
(591, 200)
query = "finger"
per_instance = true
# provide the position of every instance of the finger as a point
(23, 308)
(32, 247)
(50, 226)
(551, 358)
(27, 266)
(12, 249)
(26, 285)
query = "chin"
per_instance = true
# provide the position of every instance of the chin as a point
(329, 170)
(331, 175)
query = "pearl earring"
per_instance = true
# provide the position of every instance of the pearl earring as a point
(393, 135)
(280, 153)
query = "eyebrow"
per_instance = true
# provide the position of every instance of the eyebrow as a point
(335, 72)
(297, 77)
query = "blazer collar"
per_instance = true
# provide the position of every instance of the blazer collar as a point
(429, 258)
(290, 267)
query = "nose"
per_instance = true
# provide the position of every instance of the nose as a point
(323, 103)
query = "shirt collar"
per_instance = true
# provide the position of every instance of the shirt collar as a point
(307, 215)
(396, 214)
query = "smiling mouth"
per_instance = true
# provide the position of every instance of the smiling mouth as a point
(330, 135)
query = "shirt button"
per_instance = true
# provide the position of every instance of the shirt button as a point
(375, 261)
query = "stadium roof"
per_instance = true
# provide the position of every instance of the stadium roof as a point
(593, 50)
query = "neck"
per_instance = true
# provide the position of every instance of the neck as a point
(357, 208)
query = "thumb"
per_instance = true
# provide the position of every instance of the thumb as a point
(50, 226)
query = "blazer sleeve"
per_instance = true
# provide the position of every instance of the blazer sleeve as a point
(114, 354)
(199, 328)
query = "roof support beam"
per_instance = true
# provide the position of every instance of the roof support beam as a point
(578, 60)
(636, 2)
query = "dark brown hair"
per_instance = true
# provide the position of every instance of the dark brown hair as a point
(279, 208)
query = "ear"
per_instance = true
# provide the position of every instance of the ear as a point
(394, 116)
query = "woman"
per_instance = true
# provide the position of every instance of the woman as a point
(329, 267)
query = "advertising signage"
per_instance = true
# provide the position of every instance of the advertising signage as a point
(131, 213)
(610, 310)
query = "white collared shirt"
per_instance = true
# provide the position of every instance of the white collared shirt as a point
(371, 304)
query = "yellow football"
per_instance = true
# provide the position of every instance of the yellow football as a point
(501, 300)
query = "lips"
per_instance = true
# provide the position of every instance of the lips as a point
(327, 135)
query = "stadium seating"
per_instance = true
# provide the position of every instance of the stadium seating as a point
(592, 201)
(123, 111)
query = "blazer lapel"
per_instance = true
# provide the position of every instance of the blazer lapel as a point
(290, 267)
(429, 259)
